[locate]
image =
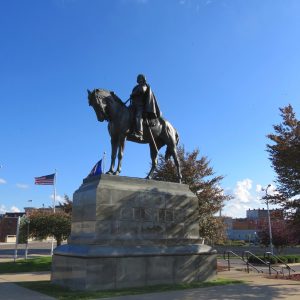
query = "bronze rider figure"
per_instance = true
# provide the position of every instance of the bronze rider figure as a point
(144, 104)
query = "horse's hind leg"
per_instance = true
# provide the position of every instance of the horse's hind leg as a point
(174, 154)
(120, 155)
(153, 153)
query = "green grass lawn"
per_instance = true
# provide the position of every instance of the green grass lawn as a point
(30, 265)
(45, 287)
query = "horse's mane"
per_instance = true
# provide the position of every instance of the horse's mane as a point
(106, 93)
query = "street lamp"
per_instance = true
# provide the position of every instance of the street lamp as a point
(269, 219)
(27, 221)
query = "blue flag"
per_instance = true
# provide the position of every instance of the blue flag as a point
(97, 169)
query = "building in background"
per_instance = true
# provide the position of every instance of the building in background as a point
(9, 221)
(247, 228)
(8, 226)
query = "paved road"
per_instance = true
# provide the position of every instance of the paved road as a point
(34, 248)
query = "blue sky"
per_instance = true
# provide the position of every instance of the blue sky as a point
(219, 69)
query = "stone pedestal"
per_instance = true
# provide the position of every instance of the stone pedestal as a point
(132, 232)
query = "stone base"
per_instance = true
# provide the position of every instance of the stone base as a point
(80, 268)
(130, 232)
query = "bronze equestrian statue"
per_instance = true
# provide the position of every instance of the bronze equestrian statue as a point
(122, 121)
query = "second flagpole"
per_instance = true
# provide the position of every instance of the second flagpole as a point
(54, 201)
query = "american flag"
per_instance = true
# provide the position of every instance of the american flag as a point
(45, 180)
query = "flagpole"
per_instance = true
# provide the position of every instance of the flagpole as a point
(54, 199)
(17, 239)
(54, 191)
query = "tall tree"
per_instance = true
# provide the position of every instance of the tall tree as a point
(283, 234)
(284, 153)
(67, 205)
(202, 181)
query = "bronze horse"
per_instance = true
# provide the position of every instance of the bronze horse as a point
(157, 133)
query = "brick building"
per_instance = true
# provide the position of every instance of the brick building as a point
(8, 225)
(247, 228)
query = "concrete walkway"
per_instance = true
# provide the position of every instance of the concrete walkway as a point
(11, 291)
(257, 287)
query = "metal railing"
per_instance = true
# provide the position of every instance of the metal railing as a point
(267, 257)
(231, 253)
(248, 254)
(266, 261)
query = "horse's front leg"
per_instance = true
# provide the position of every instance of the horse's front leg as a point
(114, 148)
(120, 154)
(153, 153)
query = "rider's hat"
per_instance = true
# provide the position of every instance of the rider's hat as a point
(141, 77)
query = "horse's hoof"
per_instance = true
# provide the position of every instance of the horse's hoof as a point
(109, 173)
(116, 173)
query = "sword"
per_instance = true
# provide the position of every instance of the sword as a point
(151, 135)
(126, 101)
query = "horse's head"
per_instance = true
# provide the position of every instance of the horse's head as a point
(98, 100)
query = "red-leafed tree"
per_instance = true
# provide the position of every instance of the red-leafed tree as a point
(283, 234)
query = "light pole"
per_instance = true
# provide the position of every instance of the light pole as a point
(269, 219)
(27, 221)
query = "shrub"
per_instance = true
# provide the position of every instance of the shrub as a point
(288, 259)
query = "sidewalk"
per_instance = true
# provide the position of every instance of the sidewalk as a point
(256, 287)
(11, 291)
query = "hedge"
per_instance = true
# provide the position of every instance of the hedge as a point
(288, 259)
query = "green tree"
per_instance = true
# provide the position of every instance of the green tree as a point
(67, 205)
(24, 233)
(202, 181)
(284, 154)
(45, 223)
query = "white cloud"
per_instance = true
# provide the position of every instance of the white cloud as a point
(22, 186)
(14, 209)
(245, 196)
(58, 198)
(242, 190)
(2, 209)
(258, 188)
(2, 181)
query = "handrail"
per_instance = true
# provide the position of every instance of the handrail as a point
(265, 263)
(241, 258)
(269, 254)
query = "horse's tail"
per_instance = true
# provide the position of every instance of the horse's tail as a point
(173, 139)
